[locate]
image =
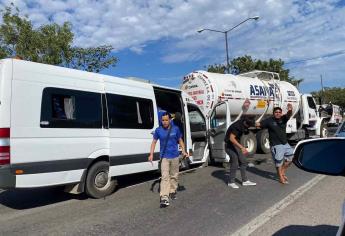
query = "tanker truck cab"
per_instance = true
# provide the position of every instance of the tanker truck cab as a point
(309, 110)
(311, 122)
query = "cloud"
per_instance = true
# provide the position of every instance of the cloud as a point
(137, 49)
(331, 69)
(290, 29)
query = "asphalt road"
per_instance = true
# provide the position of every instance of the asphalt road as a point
(317, 212)
(205, 206)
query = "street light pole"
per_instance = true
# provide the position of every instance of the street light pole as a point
(226, 37)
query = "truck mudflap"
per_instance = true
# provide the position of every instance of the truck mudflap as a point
(7, 179)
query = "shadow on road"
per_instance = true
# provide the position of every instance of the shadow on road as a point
(263, 173)
(21, 199)
(222, 175)
(323, 230)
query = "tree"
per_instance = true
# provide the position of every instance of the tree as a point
(246, 63)
(217, 68)
(335, 95)
(49, 44)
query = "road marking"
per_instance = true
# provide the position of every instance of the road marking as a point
(277, 208)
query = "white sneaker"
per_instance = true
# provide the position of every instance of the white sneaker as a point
(248, 183)
(233, 185)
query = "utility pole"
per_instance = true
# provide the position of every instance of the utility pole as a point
(321, 100)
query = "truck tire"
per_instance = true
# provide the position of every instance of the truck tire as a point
(249, 141)
(98, 184)
(323, 130)
(262, 139)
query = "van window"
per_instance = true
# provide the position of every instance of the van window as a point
(127, 112)
(218, 116)
(311, 103)
(67, 108)
(196, 119)
(63, 107)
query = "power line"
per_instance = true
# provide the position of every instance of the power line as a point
(341, 52)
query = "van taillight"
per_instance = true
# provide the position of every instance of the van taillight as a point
(4, 146)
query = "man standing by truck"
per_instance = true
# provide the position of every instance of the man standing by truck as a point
(282, 152)
(236, 151)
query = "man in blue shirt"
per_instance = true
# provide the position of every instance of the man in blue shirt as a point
(169, 136)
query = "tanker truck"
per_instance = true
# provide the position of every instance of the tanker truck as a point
(221, 97)
(332, 113)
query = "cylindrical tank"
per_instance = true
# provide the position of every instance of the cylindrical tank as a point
(209, 88)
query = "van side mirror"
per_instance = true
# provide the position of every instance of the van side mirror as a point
(321, 156)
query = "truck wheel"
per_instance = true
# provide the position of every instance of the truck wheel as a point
(323, 130)
(249, 141)
(263, 141)
(98, 184)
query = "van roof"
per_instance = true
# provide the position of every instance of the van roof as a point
(59, 70)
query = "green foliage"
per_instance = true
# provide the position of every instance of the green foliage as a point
(217, 68)
(335, 95)
(92, 59)
(246, 63)
(49, 44)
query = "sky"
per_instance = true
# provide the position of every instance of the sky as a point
(158, 40)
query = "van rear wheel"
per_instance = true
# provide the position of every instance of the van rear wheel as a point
(98, 183)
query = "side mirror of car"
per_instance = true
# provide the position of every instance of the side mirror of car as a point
(321, 156)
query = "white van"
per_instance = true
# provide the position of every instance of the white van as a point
(60, 126)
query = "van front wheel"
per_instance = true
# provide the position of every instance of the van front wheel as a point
(98, 183)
